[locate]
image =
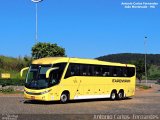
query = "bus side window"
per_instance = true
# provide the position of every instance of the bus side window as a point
(77, 69)
(70, 71)
(83, 70)
(119, 71)
(105, 71)
(73, 70)
(124, 71)
(114, 70)
(97, 70)
(130, 71)
(90, 70)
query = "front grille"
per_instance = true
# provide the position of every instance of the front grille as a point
(33, 93)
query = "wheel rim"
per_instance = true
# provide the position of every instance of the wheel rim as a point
(120, 95)
(113, 96)
(64, 98)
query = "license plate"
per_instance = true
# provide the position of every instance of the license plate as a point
(32, 97)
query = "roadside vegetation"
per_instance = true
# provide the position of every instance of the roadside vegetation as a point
(12, 66)
(141, 86)
(10, 90)
(14, 82)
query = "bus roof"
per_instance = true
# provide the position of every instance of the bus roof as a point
(53, 60)
(50, 60)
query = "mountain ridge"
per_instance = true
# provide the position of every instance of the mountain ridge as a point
(153, 59)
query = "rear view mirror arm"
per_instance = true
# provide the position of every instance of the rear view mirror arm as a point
(49, 70)
(21, 73)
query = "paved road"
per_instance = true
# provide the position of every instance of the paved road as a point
(144, 102)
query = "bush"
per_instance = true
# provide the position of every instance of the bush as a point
(7, 90)
(158, 81)
(143, 86)
(14, 82)
(154, 77)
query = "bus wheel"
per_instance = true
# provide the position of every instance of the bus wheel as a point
(64, 97)
(120, 95)
(113, 95)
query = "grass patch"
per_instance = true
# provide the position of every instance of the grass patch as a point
(10, 90)
(7, 90)
(143, 86)
(14, 82)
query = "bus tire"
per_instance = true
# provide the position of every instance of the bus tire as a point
(113, 95)
(120, 95)
(64, 97)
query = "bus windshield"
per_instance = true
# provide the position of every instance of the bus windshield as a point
(36, 77)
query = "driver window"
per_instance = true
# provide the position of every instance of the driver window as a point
(55, 75)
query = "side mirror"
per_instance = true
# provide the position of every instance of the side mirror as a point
(49, 71)
(21, 73)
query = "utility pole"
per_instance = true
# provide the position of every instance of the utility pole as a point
(36, 7)
(145, 47)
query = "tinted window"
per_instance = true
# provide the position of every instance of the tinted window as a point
(83, 70)
(114, 72)
(55, 75)
(123, 71)
(59, 71)
(73, 70)
(130, 71)
(99, 70)
(90, 70)
(120, 71)
(106, 71)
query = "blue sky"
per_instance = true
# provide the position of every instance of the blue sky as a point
(85, 28)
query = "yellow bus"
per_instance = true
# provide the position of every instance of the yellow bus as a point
(64, 79)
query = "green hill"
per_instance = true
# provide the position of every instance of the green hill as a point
(153, 59)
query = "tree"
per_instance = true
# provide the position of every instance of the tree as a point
(41, 50)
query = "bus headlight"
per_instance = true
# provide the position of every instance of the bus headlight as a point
(45, 92)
